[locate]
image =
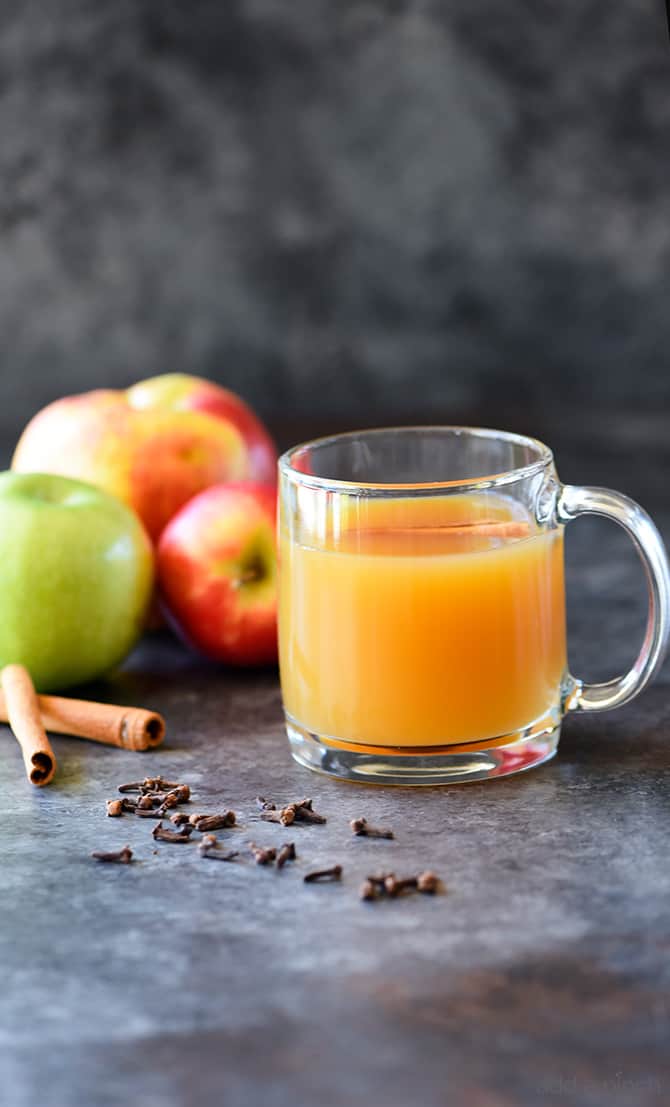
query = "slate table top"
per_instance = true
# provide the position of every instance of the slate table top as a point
(540, 976)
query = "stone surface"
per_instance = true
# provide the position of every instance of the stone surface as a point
(541, 975)
(337, 206)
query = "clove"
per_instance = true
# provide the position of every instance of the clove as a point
(129, 805)
(362, 829)
(388, 884)
(379, 880)
(145, 803)
(263, 855)
(286, 816)
(208, 848)
(179, 818)
(114, 808)
(215, 822)
(427, 882)
(334, 873)
(305, 813)
(124, 856)
(264, 804)
(158, 784)
(394, 887)
(286, 853)
(150, 813)
(162, 833)
(298, 812)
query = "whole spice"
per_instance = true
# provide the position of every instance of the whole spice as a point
(427, 882)
(114, 808)
(286, 853)
(334, 873)
(379, 880)
(179, 818)
(304, 812)
(208, 848)
(394, 887)
(298, 812)
(264, 804)
(215, 822)
(26, 722)
(148, 813)
(286, 816)
(124, 856)
(131, 728)
(162, 833)
(145, 803)
(150, 784)
(362, 829)
(388, 884)
(263, 855)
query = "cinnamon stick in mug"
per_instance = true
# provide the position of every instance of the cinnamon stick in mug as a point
(23, 715)
(131, 728)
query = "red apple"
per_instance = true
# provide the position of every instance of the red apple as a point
(217, 573)
(154, 461)
(182, 392)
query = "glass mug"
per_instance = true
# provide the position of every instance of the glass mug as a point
(422, 618)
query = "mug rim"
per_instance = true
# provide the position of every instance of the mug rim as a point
(544, 458)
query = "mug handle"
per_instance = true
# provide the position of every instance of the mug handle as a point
(573, 501)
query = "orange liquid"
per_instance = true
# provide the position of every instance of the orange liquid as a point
(409, 627)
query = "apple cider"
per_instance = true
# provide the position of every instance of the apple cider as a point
(422, 622)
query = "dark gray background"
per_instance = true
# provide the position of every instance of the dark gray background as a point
(347, 209)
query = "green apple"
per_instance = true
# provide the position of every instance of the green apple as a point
(76, 578)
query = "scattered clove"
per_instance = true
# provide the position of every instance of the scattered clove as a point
(208, 848)
(179, 818)
(150, 784)
(124, 856)
(388, 885)
(114, 808)
(145, 803)
(215, 822)
(158, 784)
(193, 819)
(300, 812)
(129, 805)
(427, 882)
(394, 887)
(264, 804)
(334, 873)
(286, 853)
(305, 813)
(150, 813)
(162, 833)
(286, 816)
(362, 829)
(379, 880)
(263, 855)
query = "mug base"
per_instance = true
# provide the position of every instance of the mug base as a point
(450, 764)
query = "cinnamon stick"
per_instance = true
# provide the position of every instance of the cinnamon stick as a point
(23, 715)
(132, 728)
